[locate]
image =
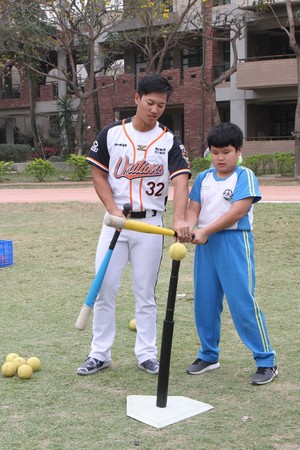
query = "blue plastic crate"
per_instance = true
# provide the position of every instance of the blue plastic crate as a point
(6, 253)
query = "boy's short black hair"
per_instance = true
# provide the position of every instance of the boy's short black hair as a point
(225, 134)
(154, 83)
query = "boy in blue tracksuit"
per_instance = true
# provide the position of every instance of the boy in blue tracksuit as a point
(221, 209)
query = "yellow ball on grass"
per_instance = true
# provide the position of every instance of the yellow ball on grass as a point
(19, 361)
(34, 362)
(132, 325)
(25, 371)
(177, 251)
(8, 369)
(11, 356)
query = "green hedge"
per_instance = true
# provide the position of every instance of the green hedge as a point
(5, 169)
(264, 164)
(40, 169)
(80, 166)
(199, 164)
(16, 153)
(271, 164)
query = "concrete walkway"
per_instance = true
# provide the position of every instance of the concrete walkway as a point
(274, 194)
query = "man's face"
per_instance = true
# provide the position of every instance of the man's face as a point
(150, 108)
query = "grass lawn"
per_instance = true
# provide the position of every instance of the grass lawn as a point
(41, 296)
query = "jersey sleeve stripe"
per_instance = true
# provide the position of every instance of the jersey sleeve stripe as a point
(251, 182)
(94, 162)
(179, 172)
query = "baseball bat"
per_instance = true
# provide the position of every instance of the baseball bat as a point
(134, 225)
(98, 280)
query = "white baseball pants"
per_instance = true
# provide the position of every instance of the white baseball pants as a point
(144, 252)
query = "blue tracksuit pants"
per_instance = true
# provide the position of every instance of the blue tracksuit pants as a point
(225, 266)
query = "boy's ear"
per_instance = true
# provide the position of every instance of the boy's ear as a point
(207, 154)
(240, 158)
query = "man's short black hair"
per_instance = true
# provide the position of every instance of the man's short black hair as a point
(225, 134)
(154, 82)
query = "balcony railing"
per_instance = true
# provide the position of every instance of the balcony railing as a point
(267, 57)
(270, 138)
(267, 72)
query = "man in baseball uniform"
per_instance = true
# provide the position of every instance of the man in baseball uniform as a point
(132, 162)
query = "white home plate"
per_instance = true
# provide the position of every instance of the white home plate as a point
(144, 409)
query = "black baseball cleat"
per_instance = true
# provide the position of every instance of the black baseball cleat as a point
(92, 365)
(150, 366)
(264, 375)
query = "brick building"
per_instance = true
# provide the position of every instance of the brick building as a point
(260, 97)
(184, 113)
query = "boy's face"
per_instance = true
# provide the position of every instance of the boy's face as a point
(149, 109)
(224, 159)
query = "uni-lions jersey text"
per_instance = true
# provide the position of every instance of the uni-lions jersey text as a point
(139, 164)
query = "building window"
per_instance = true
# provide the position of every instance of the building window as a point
(220, 2)
(11, 91)
(287, 123)
(141, 62)
(219, 69)
(224, 111)
(140, 58)
(168, 62)
(191, 57)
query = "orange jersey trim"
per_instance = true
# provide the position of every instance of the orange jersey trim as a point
(181, 171)
(134, 160)
(96, 163)
(141, 181)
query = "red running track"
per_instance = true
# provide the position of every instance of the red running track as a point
(280, 194)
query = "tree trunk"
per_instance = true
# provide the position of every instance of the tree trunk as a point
(79, 127)
(36, 141)
(215, 115)
(97, 120)
(214, 108)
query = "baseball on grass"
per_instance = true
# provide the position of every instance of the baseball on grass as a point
(177, 251)
(132, 325)
(11, 357)
(8, 369)
(34, 362)
(25, 371)
(19, 361)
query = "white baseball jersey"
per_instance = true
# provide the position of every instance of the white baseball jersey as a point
(139, 164)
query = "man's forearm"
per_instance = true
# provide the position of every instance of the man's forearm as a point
(180, 197)
(103, 190)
